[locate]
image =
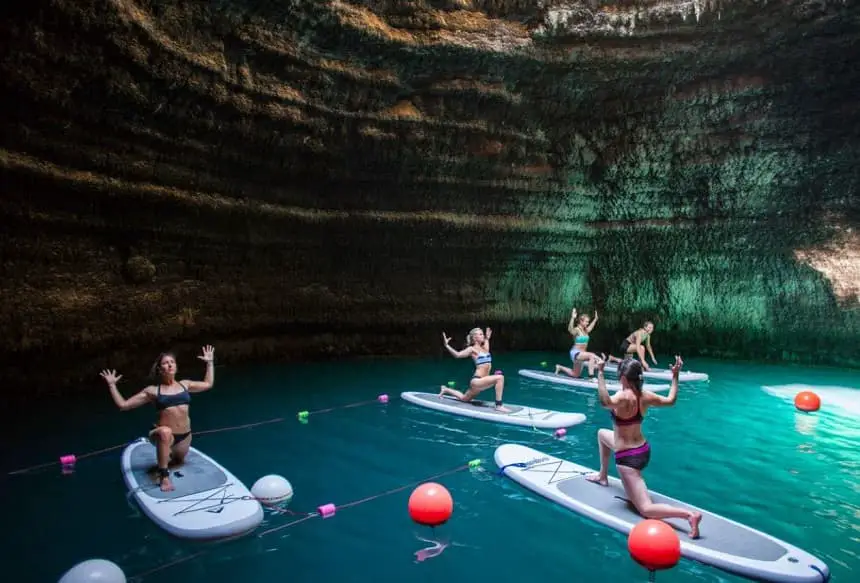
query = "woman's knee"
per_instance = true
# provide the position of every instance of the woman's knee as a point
(606, 437)
(162, 433)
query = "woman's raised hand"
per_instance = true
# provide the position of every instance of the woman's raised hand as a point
(676, 368)
(208, 354)
(446, 339)
(110, 376)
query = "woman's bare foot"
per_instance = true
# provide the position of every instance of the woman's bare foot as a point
(694, 521)
(166, 485)
(598, 479)
(557, 368)
(441, 391)
(502, 409)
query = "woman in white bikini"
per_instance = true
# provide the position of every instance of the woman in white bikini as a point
(478, 347)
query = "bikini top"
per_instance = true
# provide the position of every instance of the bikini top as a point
(483, 358)
(165, 401)
(636, 418)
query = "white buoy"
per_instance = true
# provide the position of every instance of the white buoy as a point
(273, 490)
(94, 571)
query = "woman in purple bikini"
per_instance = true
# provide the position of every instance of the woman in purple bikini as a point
(632, 452)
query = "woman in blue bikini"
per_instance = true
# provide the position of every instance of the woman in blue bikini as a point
(579, 328)
(172, 434)
(632, 452)
(478, 347)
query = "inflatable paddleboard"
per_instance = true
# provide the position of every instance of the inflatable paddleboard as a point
(563, 379)
(663, 374)
(208, 502)
(723, 543)
(486, 410)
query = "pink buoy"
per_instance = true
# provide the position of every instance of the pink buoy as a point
(327, 510)
(382, 398)
(68, 460)
(561, 432)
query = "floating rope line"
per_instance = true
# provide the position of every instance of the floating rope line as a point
(328, 510)
(166, 565)
(68, 461)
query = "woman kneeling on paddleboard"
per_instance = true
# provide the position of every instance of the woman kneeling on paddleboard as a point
(172, 434)
(478, 347)
(632, 451)
(579, 328)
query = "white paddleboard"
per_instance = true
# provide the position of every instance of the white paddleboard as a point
(563, 379)
(519, 414)
(723, 543)
(208, 502)
(663, 374)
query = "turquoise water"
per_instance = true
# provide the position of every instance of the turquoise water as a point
(735, 446)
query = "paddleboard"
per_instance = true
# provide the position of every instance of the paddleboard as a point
(519, 414)
(663, 374)
(723, 543)
(208, 502)
(563, 379)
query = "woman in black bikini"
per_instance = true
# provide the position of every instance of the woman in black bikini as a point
(172, 434)
(632, 452)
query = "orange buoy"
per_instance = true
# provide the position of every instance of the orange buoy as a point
(654, 545)
(807, 401)
(431, 504)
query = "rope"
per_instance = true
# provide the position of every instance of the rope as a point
(196, 434)
(310, 515)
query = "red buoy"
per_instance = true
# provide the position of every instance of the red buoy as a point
(431, 504)
(654, 545)
(807, 401)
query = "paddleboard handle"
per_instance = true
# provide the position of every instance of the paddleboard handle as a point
(327, 510)
(382, 398)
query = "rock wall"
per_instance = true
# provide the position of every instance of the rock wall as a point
(304, 179)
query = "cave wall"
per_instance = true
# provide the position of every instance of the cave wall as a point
(308, 179)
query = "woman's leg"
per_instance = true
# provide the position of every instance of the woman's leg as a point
(606, 443)
(162, 438)
(180, 450)
(639, 351)
(478, 385)
(443, 390)
(590, 357)
(637, 491)
(577, 365)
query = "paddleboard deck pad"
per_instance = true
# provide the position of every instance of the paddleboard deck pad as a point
(208, 502)
(486, 410)
(563, 379)
(663, 374)
(723, 543)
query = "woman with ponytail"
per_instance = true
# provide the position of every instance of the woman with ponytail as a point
(632, 451)
(478, 348)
